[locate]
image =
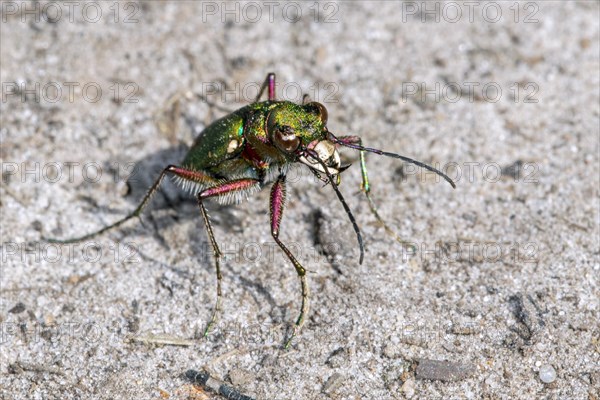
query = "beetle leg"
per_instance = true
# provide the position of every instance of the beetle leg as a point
(366, 188)
(228, 187)
(276, 212)
(270, 83)
(182, 172)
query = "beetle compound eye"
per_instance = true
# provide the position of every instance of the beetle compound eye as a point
(320, 110)
(285, 139)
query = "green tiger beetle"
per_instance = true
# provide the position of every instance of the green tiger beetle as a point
(242, 152)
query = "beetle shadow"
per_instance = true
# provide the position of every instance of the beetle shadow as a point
(176, 205)
(179, 204)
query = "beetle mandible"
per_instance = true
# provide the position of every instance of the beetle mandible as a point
(242, 152)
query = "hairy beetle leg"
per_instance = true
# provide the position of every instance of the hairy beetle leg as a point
(228, 187)
(276, 213)
(182, 172)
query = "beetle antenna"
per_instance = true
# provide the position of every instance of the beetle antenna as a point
(393, 155)
(344, 204)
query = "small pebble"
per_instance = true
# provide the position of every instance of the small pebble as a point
(123, 188)
(333, 383)
(240, 377)
(547, 373)
(408, 388)
(17, 309)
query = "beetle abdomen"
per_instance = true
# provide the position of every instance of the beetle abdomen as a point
(221, 140)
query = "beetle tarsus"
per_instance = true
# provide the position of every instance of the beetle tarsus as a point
(217, 255)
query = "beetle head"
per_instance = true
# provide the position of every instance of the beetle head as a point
(300, 131)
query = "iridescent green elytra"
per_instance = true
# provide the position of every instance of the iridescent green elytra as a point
(246, 150)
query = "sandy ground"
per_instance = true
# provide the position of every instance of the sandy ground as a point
(503, 285)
